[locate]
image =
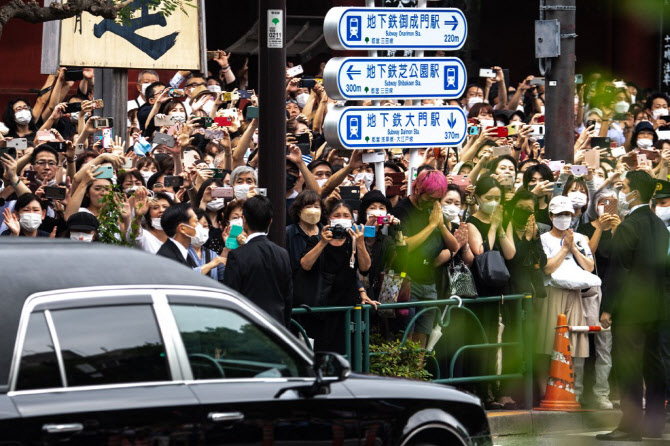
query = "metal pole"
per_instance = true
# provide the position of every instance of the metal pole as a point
(559, 88)
(272, 113)
(357, 351)
(414, 158)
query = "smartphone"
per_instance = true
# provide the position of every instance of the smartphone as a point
(579, 170)
(73, 107)
(307, 83)
(502, 132)
(369, 231)
(224, 121)
(173, 181)
(163, 138)
(579, 79)
(245, 94)
(462, 181)
(556, 166)
(164, 121)
(79, 149)
(500, 151)
(11, 152)
(294, 71)
(101, 123)
(641, 159)
(213, 134)
(618, 151)
(375, 157)
(506, 181)
(600, 141)
(229, 96)
(127, 163)
(190, 158)
(58, 146)
(611, 206)
(17, 143)
(592, 158)
(513, 129)
(487, 72)
(105, 172)
(211, 55)
(44, 136)
(223, 192)
(652, 155)
(537, 81)
(350, 193)
(54, 193)
(538, 129)
(473, 130)
(205, 121)
(218, 173)
(74, 74)
(252, 112)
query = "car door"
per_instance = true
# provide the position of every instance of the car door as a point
(243, 369)
(94, 369)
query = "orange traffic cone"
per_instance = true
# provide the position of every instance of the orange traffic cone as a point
(560, 393)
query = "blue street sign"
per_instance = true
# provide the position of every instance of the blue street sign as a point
(394, 78)
(394, 28)
(388, 127)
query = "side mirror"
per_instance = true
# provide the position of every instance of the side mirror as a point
(329, 365)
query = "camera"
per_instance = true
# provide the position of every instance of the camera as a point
(383, 220)
(339, 232)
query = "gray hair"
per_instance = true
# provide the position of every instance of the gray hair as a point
(240, 170)
(143, 72)
(603, 192)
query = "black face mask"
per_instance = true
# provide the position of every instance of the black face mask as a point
(290, 181)
(520, 217)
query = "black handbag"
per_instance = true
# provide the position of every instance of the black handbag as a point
(461, 282)
(490, 270)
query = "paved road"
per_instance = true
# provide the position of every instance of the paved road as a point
(581, 439)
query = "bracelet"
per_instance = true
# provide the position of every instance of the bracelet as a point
(71, 160)
(224, 67)
(18, 180)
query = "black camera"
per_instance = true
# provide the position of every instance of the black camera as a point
(339, 232)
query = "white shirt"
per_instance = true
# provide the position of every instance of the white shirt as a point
(134, 104)
(552, 245)
(184, 251)
(635, 207)
(148, 242)
(254, 235)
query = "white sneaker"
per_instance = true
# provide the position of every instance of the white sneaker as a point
(603, 403)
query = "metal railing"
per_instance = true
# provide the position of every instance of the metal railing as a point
(357, 335)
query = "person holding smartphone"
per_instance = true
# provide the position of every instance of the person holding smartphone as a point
(148, 233)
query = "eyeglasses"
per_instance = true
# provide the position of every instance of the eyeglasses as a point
(201, 84)
(46, 163)
(158, 185)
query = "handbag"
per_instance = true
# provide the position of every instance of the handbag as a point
(395, 288)
(461, 282)
(489, 269)
(570, 276)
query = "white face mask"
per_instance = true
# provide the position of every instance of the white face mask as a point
(201, 236)
(74, 117)
(578, 199)
(322, 181)
(169, 194)
(156, 223)
(236, 222)
(562, 222)
(645, 143)
(344, 222)
(30, 222)
(489, 207)
(146, 175)
(659, 112)
(486, 122)
(301, 99)
(131, 189)
(366, 178)
(178, 116)
(520, 108)
(624, 198)
(23, 117)
(452, 212)
(598, 181)
(663, 213)
(632, 98)
(621, 107)
(254, 138)
(542, 109)
(241, 191)
(81, 237)
(144, 89)
(216, 204)
(214, 88)
(474, 100)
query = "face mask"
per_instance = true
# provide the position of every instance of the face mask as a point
(254, 138)
(196, 231)
(23, 117)
(241, 191)
(201, 236)
(596, 129)
(489, 207)
(237, 222)
(451, 211)
(659, 112)
(216, 204)
(624, 198)
(562, 222)
(578, 199)
(310, 215)
(632, 98)
(519, 107)
(474, 100)
(486, 122)
(156, 223)
(663, 213)
(366, 178)
(542, 109)
(178, 116)
(146, 175)
(290, 181)
(322, 181)
(344, 222)
(169, 194)
(214, 88)
(621, 107)
(520, 217)
(645, 143)
(144, 89)
(132, 189)
(301, 99)
(74, 117)
(598, 181)
(30, 222)
(81, 237)
(209, 105)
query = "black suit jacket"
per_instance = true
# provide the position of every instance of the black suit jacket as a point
(171, 251)
(634, 289)
(261, 271)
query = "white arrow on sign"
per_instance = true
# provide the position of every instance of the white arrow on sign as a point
(393, 28)
(387, 127)
(394, 78)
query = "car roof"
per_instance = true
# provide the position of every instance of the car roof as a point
(29, 266)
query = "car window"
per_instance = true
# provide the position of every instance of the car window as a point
(38, 368)
(223, 344)
(111, 345)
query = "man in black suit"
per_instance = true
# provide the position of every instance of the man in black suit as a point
(634, 306)
(179, 223)
(259, 269)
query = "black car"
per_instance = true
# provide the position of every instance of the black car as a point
(103, 345)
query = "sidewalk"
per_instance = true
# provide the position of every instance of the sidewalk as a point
(520, 422)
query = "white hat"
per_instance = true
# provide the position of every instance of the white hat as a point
(561, 204)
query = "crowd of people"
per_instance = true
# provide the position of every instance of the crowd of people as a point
(491, 217)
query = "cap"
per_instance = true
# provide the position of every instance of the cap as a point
(561, 204)
(83, 221)
(662, 189)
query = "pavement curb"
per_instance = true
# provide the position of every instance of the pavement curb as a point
(540, 422)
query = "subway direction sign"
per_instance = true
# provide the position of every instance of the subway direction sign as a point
(395, 28)
(388, 127)
(394, 78)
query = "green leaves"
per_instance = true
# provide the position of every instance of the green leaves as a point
(389, 358)
(110, 218)
(162, 7)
